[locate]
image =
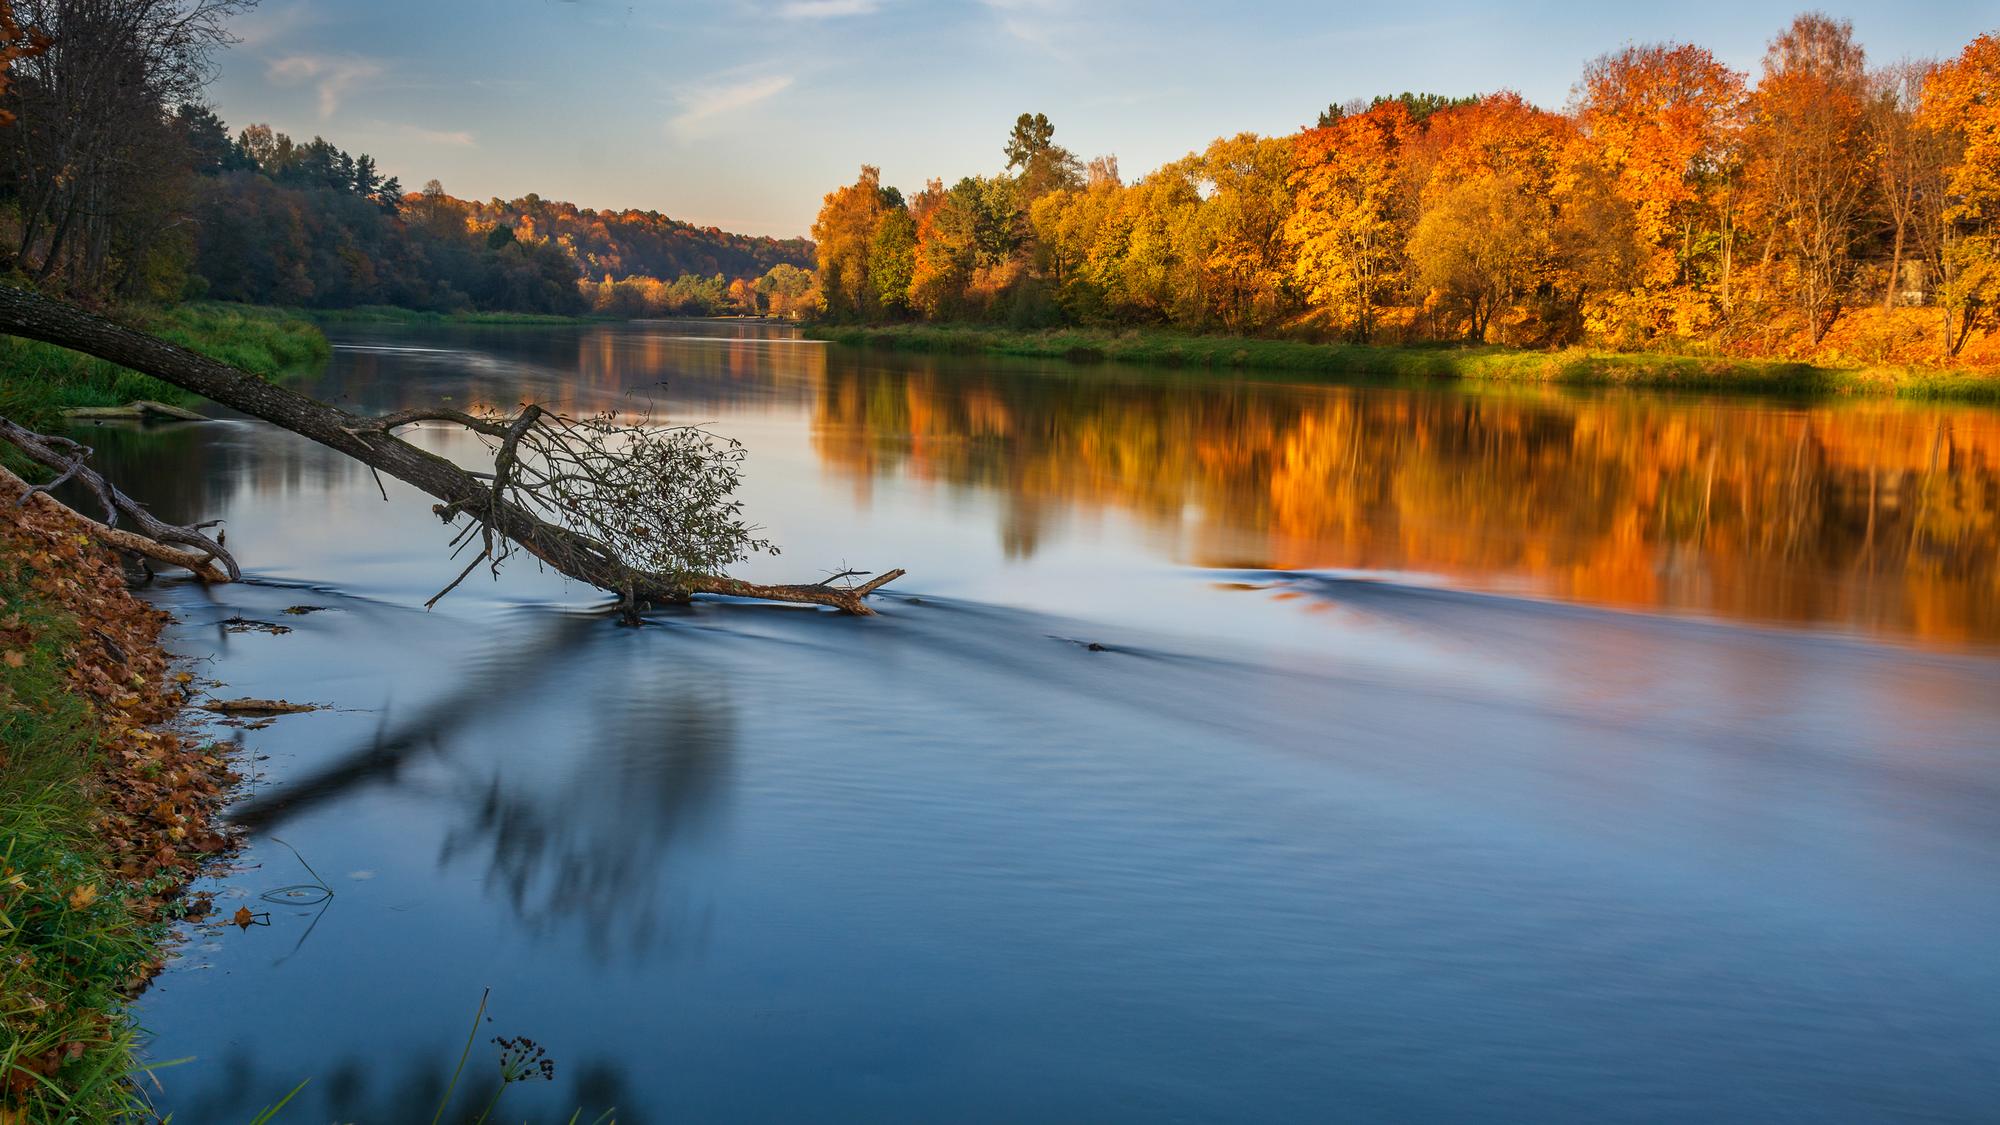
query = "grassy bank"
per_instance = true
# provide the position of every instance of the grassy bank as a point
(39, 381)
(1569, 367)
(103, 816)
(389, 314)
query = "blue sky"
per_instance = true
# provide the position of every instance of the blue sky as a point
(742, 115)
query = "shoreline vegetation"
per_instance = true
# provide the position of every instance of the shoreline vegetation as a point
(39, 382)
(1570, 367)
(107, 812)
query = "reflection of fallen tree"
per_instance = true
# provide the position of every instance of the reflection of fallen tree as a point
(586, 846)
(645, 513)
(390, 750)
(590, 848)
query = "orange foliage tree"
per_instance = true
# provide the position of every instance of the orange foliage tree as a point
(1348, 224)
(1963, 98)
(1664, 122)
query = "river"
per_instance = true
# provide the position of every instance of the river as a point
(1235, 750)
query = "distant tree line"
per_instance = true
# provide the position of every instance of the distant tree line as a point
(1826, 207)
(116, 183)
(784, 290)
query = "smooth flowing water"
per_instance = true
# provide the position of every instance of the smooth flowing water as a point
(1235, 750)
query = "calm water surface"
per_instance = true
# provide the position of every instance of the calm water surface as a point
(1449, 755)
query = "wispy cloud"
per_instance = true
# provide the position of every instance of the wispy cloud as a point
(827, 9)
(1034, 22)
(333, 75)
(456, 138)
(700, 107)
(261, 27)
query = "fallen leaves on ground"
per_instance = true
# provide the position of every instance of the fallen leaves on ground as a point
(159, 787)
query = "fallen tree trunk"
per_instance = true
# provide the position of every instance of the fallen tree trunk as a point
(501, 518)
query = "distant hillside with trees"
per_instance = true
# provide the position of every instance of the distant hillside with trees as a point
(170, 205)
(306, 224)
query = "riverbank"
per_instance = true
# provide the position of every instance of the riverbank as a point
(38, 381)
(106, 813)
(1570, 367)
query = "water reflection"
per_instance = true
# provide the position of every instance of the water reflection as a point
(1876, 516)
(569, 825)
(362, 1087)
(590, 850)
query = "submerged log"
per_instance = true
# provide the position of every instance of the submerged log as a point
(500, 516)
(257, 708)
(142, 409)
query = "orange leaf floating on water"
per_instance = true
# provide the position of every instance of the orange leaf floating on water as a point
(242, 917)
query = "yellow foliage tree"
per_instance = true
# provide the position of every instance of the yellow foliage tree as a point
(1348, 223)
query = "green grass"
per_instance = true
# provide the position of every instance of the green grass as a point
(389, 314)
(39, 381)
(1569, 367)
(60, 963)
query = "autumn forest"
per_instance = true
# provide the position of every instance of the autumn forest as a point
(1825, 207)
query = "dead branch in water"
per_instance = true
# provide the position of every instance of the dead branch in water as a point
(184, 547)
(646, 513)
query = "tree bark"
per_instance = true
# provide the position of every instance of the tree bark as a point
(26, 313)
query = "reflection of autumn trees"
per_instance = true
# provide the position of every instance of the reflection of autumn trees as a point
(1873, 516)
(720, 365)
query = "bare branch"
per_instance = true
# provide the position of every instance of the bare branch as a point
(201, 565)
(67, 459)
